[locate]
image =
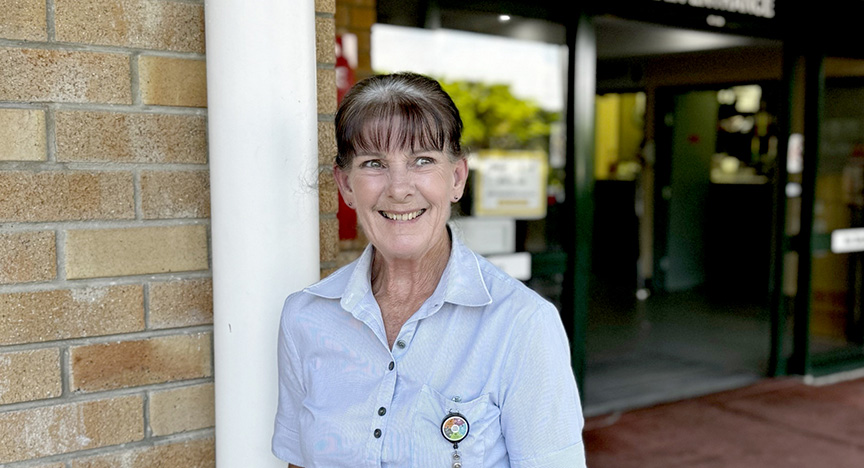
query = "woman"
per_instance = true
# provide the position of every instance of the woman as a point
(420, 353)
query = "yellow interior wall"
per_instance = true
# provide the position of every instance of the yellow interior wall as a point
(606, 131)
(618, 131)
(631, 118)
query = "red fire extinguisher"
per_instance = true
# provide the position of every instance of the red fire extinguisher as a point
(344, 80)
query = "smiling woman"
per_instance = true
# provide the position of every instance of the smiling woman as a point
(380, 361)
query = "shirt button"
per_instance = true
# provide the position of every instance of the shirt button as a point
(400, 344)
(392, 365)
(377, 433)
(382, 411)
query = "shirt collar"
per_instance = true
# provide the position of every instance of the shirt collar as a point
(461, 283)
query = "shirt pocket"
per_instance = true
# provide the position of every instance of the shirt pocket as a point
(430, 448)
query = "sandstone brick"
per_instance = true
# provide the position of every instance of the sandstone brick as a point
(70, 313)
(23, 19)
(175, 194)
(198, 453)
(326, 91)
(325, 6)
(51, 430)
(328, 193)
(64, 76)
(51, 465)
(63, 196)
(181, 409)
(114, 137)
(140, 362)
(27, 257)
(181, 303)
(135, 251)
(326, 143)
(22, 132)
(329, 232)
(325, 40)
(147, 24)
(172, 82)
(30, 375)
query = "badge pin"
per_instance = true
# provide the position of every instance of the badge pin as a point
(454, 428)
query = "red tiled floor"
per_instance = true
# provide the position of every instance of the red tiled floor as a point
(776, 423)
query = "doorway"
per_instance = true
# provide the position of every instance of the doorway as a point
(698, 321)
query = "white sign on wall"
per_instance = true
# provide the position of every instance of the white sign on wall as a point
(760, 8)
(511, 183)
(847, 240)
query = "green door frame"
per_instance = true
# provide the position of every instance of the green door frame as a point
(780, 241)
(814, 89)
(579, 189)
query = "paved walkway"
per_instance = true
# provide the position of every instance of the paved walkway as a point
(774, 423)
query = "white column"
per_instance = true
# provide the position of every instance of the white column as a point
(263, 157)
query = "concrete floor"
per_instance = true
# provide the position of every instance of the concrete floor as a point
(670, 347)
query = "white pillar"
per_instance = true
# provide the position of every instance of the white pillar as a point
(263, 156)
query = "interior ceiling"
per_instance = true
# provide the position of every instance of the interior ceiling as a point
(616, 38)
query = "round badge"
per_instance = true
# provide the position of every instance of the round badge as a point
(454, 428)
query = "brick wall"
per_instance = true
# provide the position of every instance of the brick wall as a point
(105, 291)
(328, 202)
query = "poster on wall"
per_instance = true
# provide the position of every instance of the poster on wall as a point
(510, 184)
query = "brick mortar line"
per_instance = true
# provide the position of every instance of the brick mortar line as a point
(103, 282)
(135, 78)
(146, 305)
(107, 339)
(23, 226)
(146, 109)
(86, 397)
(136, 195)
(50, 135)
(99, 166)
(145, 417)
(60, 254)
(65, 374)
(99, 49)
(50, 20)
(197, 434)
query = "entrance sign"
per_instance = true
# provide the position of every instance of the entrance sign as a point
(511, 183)
(760, 8)
(847, 240)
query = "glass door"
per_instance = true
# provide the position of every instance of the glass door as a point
(836, 325)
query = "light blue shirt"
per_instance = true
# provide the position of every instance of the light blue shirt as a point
(483, 345)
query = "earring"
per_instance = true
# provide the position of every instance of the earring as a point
(349, 204)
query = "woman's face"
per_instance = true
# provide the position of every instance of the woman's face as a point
(402, 198)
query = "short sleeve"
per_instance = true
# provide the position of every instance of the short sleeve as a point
(286, 439)
(541, 415)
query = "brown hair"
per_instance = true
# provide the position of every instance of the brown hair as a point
(404, 111)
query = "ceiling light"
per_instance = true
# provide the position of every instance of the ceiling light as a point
(716, 21)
